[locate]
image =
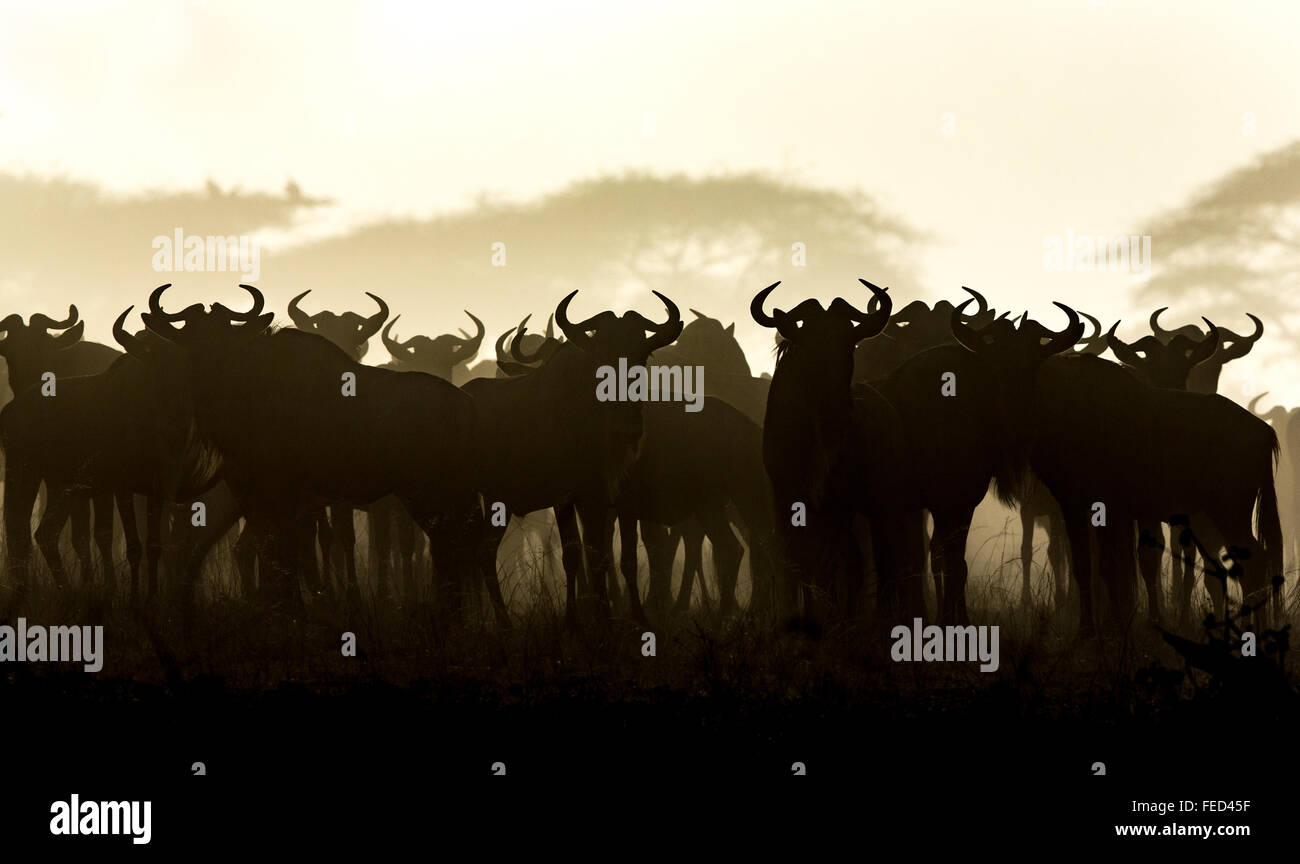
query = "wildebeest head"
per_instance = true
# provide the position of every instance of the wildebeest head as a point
(706, 342)
(527, 350)
(204, 341)
(1168, 363)
(1277, 415)
(911, 330)
(438, 356)
(818, 344)
(1204, 378)
(28, 348)
(348, 330)
(600, 342)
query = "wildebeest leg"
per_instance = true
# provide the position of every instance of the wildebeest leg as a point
(692, 539)
(597, 531)
(325, 520)
(628, 558)
(57, 506)
(1115, 552)
(103, 507)
(1058, 557)
(726, 557)
(1151, 549)
(1080, 531)
(153, 548)
(1027, 521)
(951, 528)
(21, 488)
(566, 523)
(380, 532)
(408, 552)
(131, 531)
(79, 517)
(345, 530)
(655, 538)
(248, 560)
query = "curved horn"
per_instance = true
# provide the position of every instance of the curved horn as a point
(1096, 326)
(1122, 349)
(162, 322)
(395, 348)
(45, 322)
(667, 332)
(502, 357)
(1067, 337)
(698, 314)
(550, 326)
(962, 331)
(258, 302)
(132, 344)
(872, 323)
(1238, 346)
(1254, 402)
(982, 305)
(300, 319)
(573, 332)
(1162, 334)
(155, 306)
(374, 322)
(517, 344)
(756, 307)
(1205, 349)
(470, 346)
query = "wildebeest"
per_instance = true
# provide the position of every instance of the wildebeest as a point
(30, 351)
(1204, 378)
(1113, 450)
(293, 418)
(442, 357)
(115, 434)
(830, 450)
(580, 457)
(966, 422)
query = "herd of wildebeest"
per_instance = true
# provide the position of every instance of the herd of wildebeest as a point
(851, 474)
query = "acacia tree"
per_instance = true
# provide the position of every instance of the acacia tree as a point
(709, 242)
(1235, 248)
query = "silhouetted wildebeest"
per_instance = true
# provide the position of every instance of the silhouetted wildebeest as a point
(579, 458)
(692, 465)
(115, 434)
(831, 451)
(1113, 450)
(965, 422)
(1169, 364)
(1204, 377)
(294, 420)
(1038, 508)
(351, 332)
(911, 330)
(1287, 426)
(443, 358)
(31, 350)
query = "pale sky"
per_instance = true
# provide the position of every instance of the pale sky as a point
(1092, 116)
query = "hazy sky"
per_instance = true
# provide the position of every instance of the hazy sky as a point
(1092, 116)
